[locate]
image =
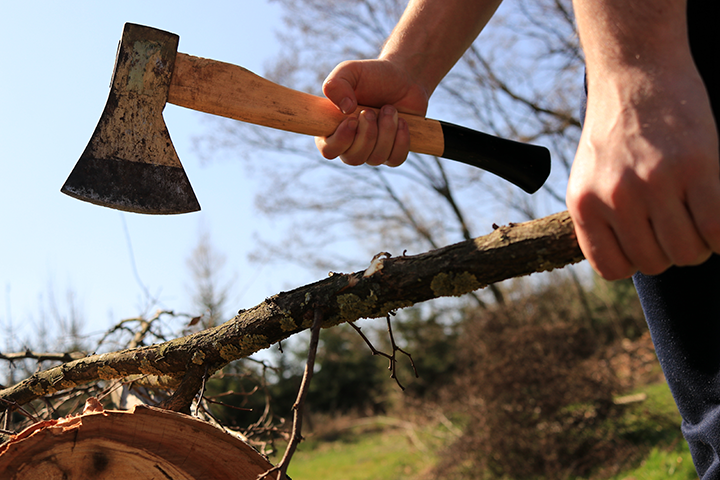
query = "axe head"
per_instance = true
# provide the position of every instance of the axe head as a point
(130, 163)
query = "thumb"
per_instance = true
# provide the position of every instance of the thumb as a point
(339, 86)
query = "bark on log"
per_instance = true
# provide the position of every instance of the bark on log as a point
(510, 251)
(144, 443)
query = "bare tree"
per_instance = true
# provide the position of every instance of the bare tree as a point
(521, 79)
(209, 289)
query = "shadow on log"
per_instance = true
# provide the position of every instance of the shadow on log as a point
(390, 284)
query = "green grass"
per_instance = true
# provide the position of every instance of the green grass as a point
(378, 455)
(662, 464)
(382, 453)
(669, 455)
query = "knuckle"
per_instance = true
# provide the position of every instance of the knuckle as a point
(689, 256)
(581, 201)
(651, 260)
(610, 268)
(352, 160)
(396, 161)
(325, 151)
(375, 159)
(710, 231)
(652, 269)
(613, 273)
(329, 152)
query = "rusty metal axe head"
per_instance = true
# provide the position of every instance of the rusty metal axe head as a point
(130, 162)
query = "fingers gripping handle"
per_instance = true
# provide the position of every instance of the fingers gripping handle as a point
(231, 91)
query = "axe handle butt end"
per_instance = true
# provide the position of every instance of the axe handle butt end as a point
(522, 164)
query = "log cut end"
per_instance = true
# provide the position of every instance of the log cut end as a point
(144, 443)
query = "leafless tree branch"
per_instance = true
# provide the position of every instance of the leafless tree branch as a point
(296, 435)
(42, 356)
(397, 282)
(392, 357)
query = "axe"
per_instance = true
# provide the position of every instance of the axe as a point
(130, 163)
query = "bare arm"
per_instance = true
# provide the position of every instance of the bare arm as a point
(427, 41)
(644, 191)
(432, 35)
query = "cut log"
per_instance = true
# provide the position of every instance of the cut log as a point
(142, 444)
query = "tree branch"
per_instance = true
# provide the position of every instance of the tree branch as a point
(42, 356)
(397, 282)
(392, 357)
(296, 434)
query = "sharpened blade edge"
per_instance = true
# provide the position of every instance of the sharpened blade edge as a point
(132, 186)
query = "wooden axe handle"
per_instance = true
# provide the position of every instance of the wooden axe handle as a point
(234, 92)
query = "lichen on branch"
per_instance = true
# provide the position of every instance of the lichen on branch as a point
(509, 251)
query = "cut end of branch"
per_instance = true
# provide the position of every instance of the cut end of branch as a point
(144, 443)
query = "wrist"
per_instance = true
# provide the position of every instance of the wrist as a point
(638, 82)
(414, 67)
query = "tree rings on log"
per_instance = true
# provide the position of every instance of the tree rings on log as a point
(141, 444)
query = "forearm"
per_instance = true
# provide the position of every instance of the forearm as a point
(621, 37)
(432, 35)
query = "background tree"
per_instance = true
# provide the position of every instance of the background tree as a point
(59, 327)
(521, 79)
(209, 289)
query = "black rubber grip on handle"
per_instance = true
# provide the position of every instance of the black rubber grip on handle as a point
(525, 165)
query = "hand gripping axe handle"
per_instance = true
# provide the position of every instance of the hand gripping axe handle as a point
(130, 162)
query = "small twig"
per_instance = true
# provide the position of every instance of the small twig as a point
(42, 356)
(225, 394)
(392, 358)
(261, 363)
(227, 405)
(266, 417)
(6, 421)
(15, 406)
(395, 348)
(114, 386)
(204, 383)
(206, 415)
(201, 394)
(297, 407)
(145, 327)
(233, 392)
(369, 344)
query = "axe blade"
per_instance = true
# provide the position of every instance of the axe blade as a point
(131, 186)
(130, 162)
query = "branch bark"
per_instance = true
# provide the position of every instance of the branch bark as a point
(510, 251)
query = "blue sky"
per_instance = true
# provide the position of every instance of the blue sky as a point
(57, 59)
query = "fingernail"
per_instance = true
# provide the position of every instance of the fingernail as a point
(369, 115)
(346, 105)
(352, 123)
(389, 110)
